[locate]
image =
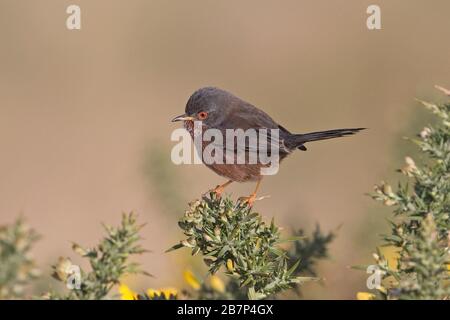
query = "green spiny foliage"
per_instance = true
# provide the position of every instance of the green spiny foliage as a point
(109, 262)
(309, 250)
(17, 268)
(212, 287)
(420, 227)
(232, 236)
(427, 261)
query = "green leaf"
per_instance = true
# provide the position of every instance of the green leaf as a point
(293, 268)
(175, 247)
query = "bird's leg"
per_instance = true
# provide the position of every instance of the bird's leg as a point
(252, 197)
(219, 189)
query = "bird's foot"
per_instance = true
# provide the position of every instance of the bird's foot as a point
(251, 199)
(217, 191)
(248, 200)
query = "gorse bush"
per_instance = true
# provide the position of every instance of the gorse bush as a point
(228, 234)
(109, 262)
(309, 250)
(17, 268)
(232, 236)
(421, 222)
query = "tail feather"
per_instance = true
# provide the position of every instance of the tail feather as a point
(298, 140)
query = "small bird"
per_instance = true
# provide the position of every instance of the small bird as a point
(219, 109)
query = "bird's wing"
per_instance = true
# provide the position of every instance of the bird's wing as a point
(246, 116)
(250, 117)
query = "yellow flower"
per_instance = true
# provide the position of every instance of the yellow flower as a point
(126, 293)
(217, 284)
(191, 280)
(230, 265)
(167, 292)
(365, 296)
(391, 254)
(152, 293)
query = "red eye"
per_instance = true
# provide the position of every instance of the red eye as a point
(202, 115)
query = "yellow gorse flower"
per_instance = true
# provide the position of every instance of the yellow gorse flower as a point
(191, 280)
(166, 292)
(126, 293)
(230, 265)
(217, 284)
(392, 255)
(365, 296)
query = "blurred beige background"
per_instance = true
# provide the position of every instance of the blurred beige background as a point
(85, 115)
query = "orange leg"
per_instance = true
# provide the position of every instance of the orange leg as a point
(220, 188)
(252, 197)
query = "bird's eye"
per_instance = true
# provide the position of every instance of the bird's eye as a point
(202, 115)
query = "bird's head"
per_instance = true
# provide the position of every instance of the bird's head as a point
(208, 105)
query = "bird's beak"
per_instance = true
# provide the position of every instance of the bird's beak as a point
(183, 117)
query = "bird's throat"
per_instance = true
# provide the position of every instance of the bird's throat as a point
(189, 126)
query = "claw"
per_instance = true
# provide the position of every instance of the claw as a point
(247, 200)
(218, 190)
(251, 199)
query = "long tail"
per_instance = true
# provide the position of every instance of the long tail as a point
(297, 140)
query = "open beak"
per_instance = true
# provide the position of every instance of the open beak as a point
(183, 117)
